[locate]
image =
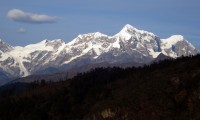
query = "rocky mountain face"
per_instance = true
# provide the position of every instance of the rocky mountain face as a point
(129, 47)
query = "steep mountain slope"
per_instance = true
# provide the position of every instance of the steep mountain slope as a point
(4, 47)
(129, 47)
(176, 46)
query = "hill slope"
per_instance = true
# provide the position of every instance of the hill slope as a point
(168, 90)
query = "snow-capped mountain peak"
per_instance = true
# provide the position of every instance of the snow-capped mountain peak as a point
(129, 31)
(43, 41)
(126, 32)
(177, 37)
(57, 43)
(46, 41)
(176, 46)
(90, 37)
(173, 39)
(128, 27)
(4, 47)
(129, 46)
(98, 34)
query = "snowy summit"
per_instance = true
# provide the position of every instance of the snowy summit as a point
(129, 47)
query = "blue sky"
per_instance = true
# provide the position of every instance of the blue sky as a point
(66, 19)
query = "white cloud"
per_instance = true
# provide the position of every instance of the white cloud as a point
(21, 16)
(21, 30)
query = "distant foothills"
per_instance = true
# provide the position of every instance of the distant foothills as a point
(129, 47)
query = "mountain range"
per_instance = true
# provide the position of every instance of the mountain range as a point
(129, 47)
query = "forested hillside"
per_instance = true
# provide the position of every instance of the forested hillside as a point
(166, 90)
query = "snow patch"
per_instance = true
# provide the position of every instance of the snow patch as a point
(116, 44)
(167, 43)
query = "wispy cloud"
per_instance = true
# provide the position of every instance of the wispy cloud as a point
(21, 16)
(21, 30)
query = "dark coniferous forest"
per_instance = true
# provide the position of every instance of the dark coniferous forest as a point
(166, 90)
